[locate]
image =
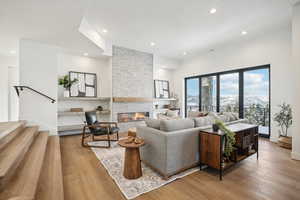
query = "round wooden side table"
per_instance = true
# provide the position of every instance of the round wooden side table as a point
(132, 161)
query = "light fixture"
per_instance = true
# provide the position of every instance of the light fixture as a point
(104, 31)
(244, 32)
(12, 52)
(184, 53)
(213, 11)
(152, 44)
(85, 54)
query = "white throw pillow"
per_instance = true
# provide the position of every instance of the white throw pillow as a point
(172, 113)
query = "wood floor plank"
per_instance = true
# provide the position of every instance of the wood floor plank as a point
(8, 131)
(24, 182)
(13, 154)
(274, 176)
(51, 180)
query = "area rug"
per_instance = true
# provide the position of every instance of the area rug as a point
(113, 158)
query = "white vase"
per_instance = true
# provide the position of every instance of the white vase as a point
(66, 93)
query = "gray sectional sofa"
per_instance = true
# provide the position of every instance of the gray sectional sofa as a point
(172, 146)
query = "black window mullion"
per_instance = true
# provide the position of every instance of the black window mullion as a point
(218, 93)
(185, 96)
(200, 94)
(241, 94)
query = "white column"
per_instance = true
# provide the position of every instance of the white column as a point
(296, 68)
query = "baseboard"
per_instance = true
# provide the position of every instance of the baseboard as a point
(295, 155)
(274, 139)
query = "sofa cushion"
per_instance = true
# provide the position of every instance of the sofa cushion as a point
(203, 121)
(153, 123)
(176, 124)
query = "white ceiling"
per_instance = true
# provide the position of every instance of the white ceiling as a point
(174, 25)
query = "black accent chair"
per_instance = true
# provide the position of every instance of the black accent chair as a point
(98, 129)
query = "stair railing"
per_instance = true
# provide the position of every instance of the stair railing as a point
(19, 88)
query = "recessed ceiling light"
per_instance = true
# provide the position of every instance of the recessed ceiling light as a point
(85, 54)
(152, 43)
(244, 32)
(213, 11)
(104, 30)
(184, 53)
(12, 52)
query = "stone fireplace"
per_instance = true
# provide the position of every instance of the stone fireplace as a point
(132, 77)
(132, 116)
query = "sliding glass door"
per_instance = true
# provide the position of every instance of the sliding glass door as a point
(256, 98)
(244, 91)
(229, 92)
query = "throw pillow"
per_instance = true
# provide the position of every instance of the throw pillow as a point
(203, 121)
(172, 113)
(215, 116)
(202, 114)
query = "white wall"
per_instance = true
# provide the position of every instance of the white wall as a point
(271, 48)
(13, 99)
(163, 69)
(38, 69)
(100, 66)
(5, 63)
(296, 65)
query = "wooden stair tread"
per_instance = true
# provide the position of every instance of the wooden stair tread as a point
(25, 180)
(8, 131)
(51, 180)
(13, 154)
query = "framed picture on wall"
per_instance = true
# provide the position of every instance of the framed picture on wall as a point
(161, 89)
(86, 86)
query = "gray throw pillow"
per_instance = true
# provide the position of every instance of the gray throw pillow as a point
(172, 113)
(153, 123)
(176, 124)
(203, 121)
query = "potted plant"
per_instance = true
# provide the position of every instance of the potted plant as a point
(66, 83)
(230, 139)
(284, 119)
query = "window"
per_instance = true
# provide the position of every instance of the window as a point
(192, 94)
(244, 91)
(229, 92)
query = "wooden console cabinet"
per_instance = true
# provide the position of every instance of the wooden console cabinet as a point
(212, 146)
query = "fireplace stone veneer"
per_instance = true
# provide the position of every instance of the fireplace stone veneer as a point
(132, 76)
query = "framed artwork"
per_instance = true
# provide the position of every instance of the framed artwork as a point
(86, 86)
(161, 89)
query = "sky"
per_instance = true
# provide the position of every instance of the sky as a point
(256, 83)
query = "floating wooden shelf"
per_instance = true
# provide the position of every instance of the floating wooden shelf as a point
(84, 99)
(131, 99)
(68, 113)
(170, 99)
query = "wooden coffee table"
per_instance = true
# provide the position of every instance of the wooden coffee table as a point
(132, 161)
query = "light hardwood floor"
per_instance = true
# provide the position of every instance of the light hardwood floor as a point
(274, 176)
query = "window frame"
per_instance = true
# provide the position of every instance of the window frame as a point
(240, 72)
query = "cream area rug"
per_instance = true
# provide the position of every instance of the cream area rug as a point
(113, 158)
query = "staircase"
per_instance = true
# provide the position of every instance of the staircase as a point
(30, 163)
